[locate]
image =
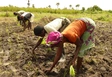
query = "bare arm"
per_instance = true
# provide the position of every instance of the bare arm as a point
(38, 43)
(57, 56)
(78, 46)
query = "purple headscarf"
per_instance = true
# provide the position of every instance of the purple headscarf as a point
(53, 38)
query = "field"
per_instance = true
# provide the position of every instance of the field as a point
(16, 52)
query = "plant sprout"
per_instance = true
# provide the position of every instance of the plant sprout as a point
(43, 42)
(72, 71)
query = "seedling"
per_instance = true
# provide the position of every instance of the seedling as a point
(43, 42)
(72, 71)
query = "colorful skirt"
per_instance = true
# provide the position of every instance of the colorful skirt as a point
(87, 37)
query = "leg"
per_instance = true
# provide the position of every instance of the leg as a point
(79, 63)
(63, 52)
(24, 22)
(20, 22)
(29, 25)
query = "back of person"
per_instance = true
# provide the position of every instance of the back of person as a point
(75, 29)
(28, 15)
(56, 25)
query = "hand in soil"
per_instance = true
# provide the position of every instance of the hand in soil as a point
(48, 72)
(33, 57)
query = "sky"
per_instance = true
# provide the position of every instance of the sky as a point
(103, 4)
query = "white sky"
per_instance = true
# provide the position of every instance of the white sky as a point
(103, 4)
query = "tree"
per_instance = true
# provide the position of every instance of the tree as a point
(70, 6)
(97, 8)
(33, 5)
(57, 4)
(83, 9)
(49, 6)
(77, 6)
(94, 8)
(28, 3)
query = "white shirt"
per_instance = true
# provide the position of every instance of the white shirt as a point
(55, 25)
(32, 17)
(25, 13)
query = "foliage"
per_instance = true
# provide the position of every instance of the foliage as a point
(94, 8)
(110, 11)
(11, 8)
(94, 12)
(83, 9)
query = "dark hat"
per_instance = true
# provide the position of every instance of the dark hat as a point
(38, 29)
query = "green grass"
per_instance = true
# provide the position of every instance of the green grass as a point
(103, 16)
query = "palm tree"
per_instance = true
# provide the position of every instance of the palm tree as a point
(28, 3)
(49, 6)
(33, 5)
(83, 9)
(70, 6)
(57, 4)
(77, 6)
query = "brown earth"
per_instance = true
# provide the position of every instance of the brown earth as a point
(16, 58)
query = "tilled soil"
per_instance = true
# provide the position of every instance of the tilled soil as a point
(16, 59)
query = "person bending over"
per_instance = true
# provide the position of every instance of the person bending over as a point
(18, 14)
(58, 24)
(79, 32)
(25, 19)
